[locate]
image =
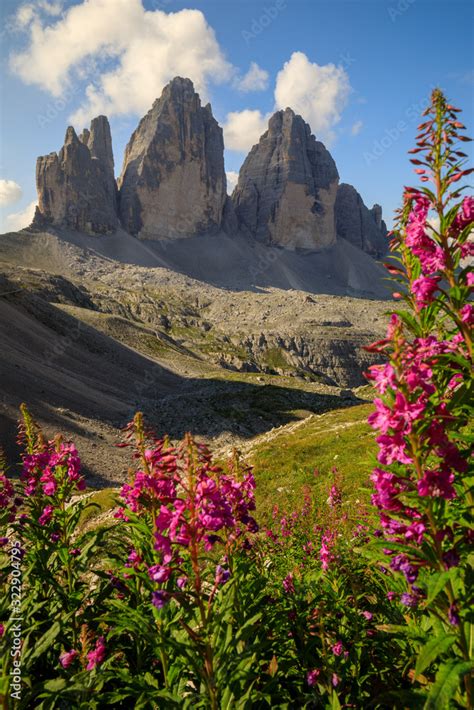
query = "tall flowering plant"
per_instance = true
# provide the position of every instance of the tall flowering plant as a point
(185, 521)
(424, 480)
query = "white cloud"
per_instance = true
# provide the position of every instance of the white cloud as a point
(19, 220)
(356, 128)
(10, 192)
(256, 79)
(318, 93)
(146, 50)
(232, 179)
(30, 12)
(243, 129)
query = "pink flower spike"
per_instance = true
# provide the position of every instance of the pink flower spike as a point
(97, 656)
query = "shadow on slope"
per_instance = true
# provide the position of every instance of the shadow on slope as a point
(234, 263)
(87, 386)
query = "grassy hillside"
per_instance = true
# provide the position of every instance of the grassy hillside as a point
(305, 454)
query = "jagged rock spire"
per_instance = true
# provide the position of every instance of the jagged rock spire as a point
(76, 188)
(173, 181)
(287, 186)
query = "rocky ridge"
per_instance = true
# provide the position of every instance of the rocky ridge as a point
(173, 182)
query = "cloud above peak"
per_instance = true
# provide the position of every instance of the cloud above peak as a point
(318, 93)
(125, 53)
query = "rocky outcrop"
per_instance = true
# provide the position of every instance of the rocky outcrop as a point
(357, 224)
(76, 188)
(173, 181)
(287, 187)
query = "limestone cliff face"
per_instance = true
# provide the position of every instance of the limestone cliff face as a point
(173, 182)
(287, 187)
(357, 224)
(76, 187)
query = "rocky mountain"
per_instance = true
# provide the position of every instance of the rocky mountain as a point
(173, 181)
(357, 224)
(287, 187)
(76, 187)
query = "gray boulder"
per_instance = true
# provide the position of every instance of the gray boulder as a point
(287, 187)
(173, 181)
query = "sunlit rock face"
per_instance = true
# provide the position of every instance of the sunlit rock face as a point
(173, 181)
(287, 187)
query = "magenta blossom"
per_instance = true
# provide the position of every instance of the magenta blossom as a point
(46, 515)
(288, 584)
(97, 656)
(437, 484)
(312, 677)
(424, 288)
(68, 657)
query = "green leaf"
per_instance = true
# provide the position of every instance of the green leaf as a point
(446, 683)
(335, 704)
(436, 585)
(432, 650)
(55, 685)
(45, 641)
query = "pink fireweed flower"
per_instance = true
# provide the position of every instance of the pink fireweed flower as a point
(388, 488)
(159, 573)
(383, 376)
(312, 677)
(392, 449)
(465, 214)
(97, 656)
(222, 575)
(288, 585)
(424, 288)
(326, 555)
(46, 515)
(159, 599)
(437, 484)
(335, 496)
(467, 314)
(66, 658)
(399, 418)
(59, 463)
(338, 648)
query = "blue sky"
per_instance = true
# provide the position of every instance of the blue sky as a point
(360, 72)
